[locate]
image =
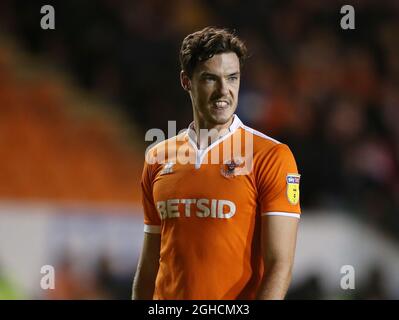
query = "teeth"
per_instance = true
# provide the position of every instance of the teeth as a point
(221, 104)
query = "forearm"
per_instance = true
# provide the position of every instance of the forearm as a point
(143, 285)
(147, 268)
(275, 282)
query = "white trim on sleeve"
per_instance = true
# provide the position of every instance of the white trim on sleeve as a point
(285, 214)
(152, 229)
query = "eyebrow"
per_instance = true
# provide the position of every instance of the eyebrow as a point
(206, 73)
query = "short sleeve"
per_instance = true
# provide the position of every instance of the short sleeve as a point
(278, 182)
(152, 221)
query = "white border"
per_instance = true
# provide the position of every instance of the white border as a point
(259, 134)
(285, 214)
(152, 229)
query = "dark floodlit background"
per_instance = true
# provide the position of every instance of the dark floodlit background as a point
(75, 103)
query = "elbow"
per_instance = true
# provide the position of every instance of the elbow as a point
(281, 266)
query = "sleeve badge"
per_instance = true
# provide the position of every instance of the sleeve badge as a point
(293, 188)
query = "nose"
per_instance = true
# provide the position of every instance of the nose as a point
(223, 88)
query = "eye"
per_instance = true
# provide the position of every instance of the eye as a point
(233, 78)
(209, 78)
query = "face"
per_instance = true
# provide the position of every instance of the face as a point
(214, 89)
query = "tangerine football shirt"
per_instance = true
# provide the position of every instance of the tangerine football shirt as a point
(208, 205)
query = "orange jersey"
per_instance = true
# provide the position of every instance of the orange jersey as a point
(209, 212)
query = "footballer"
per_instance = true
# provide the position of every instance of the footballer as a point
(222, 224)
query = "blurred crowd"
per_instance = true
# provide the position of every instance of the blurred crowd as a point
(332, 95)
(99, 282)
(72, 283)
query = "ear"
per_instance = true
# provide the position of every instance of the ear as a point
(185, 81)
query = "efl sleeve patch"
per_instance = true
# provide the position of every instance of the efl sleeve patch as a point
(293, 188)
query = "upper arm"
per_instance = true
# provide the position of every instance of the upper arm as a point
(278, 238)
(278, 196)
(152, 221)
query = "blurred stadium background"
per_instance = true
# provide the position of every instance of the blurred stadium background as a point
(75, 103)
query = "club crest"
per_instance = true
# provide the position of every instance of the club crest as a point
(229, 168)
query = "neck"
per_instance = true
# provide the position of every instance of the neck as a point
(213, 131)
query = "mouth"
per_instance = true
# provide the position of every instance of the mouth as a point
(220, 104)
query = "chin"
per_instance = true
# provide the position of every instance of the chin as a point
(218, 117)
(222, 119)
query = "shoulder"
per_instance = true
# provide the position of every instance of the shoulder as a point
(266, 147)
(158, 152)
(261, 141)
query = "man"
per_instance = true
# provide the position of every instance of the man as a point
(224, 228)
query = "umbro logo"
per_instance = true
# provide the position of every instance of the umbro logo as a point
(167, 168)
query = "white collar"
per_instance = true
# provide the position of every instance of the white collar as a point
(234, 125)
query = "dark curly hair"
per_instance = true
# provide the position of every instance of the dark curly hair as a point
(204, 44)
